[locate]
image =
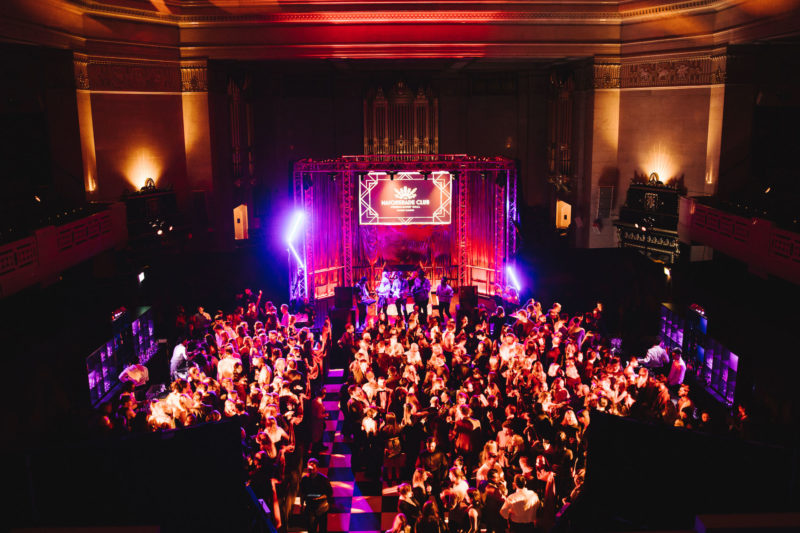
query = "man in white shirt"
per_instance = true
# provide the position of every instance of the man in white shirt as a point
(677, 369)
(227, 364)
(657, 358)
(177, 365)
(444, 293)
(521, 507)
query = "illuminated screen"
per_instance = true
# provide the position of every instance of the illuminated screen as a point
(407, 199)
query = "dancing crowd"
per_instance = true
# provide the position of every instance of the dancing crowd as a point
(482, 419)
(479, 421)
(256, 364)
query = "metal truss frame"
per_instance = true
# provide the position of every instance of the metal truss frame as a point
(511, 213)
(347, 228)
(297, 274)
(308, 204)
(499, 234)
(463, 233)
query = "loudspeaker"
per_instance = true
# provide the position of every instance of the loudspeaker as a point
(468, 296)
(340, 317)
(343, 297)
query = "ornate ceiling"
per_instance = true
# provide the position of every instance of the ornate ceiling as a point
(264, 29)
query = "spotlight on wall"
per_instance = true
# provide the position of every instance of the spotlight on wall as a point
(512, 276)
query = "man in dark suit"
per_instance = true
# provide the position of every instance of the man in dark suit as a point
(422, 293)
(315, 491)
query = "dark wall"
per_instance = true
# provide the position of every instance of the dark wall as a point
(143, 479)
(762, 97)
(315, 110)
(39, 136)
(643, 476)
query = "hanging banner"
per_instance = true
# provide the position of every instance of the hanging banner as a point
(406, 198)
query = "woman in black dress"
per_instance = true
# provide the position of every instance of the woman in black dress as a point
(408, 505)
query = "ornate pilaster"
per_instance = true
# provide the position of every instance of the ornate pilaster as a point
(194, 76)
(81, 68)
(606, 75)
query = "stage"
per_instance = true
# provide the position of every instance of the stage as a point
(358, 216)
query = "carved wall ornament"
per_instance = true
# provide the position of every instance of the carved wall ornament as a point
(702, 70)
(118, 74)
(110, 75)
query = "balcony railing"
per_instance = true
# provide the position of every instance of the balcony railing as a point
(40, 257)
(763, 246)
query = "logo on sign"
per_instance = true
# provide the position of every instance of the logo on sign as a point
(405, 193)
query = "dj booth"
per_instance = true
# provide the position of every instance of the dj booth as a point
(449, 215)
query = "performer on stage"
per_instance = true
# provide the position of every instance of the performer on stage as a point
(363, 300)
(384, 293)
(422, 293)
(445, 294)
(400, 293)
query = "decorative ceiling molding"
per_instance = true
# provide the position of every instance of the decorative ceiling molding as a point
(470, 12)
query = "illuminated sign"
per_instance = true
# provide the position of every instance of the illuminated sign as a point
(406, 199)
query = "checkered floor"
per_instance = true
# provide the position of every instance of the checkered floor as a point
(359, 504)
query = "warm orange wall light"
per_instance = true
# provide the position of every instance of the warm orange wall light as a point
(660, 162)
(142, 164)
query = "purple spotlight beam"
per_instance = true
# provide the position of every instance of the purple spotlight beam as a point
(297, 221)
(514, 279)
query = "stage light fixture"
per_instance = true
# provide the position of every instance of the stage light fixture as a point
(512, 275)
(141, 277)
(426, 174)
(391, 174)
(483, 175)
